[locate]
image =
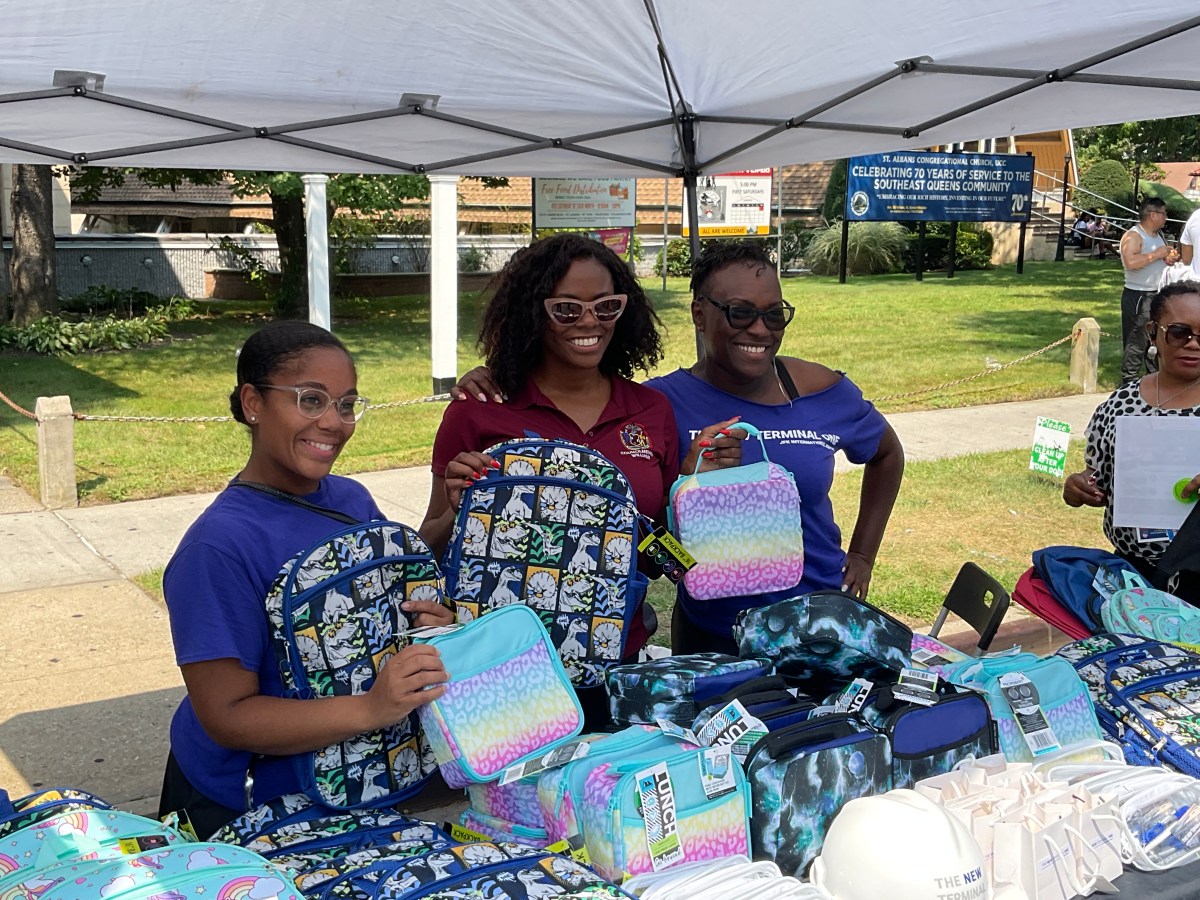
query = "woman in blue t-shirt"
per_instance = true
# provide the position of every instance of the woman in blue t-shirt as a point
(297, 394)
(806, 412)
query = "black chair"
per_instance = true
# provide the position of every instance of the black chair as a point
(979, 600)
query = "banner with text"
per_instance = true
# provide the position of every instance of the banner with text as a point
(917, 185)
(584, 202)
(732, 204)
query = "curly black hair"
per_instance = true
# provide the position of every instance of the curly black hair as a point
(720, 255)
(510, 337)
(1175, 289)
(269, 349)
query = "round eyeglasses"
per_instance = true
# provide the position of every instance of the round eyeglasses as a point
(568, 310)
(741, 316)
(312, 402)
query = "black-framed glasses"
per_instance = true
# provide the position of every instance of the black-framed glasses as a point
(312, 402)
(1177, 334)
(568, 310)
(740, 316)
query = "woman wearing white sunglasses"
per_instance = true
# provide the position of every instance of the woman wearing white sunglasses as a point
(563, 334)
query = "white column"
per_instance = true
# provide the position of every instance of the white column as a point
(443, 280)
(316, 223)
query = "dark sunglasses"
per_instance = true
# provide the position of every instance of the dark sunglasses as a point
(1176, 334)
(568, 311)
(740, 316)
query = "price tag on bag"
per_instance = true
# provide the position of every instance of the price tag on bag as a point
(733, 727)
(716, 771)
(665, 555)
(1022, 696)
(853, 696)
(916, 686)
(559, 756)
(657, 798)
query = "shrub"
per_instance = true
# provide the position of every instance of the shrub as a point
(1109, 180)
(1178, 206)
(874, 248)
(973, 249)
(474, 259)
(100, 299)
(679, 259)
(796, 238)
(834, 207)
(54, 335)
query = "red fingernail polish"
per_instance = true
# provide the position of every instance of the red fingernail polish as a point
(724, 431)
(468, 481)
(494, 464)
(705, 443)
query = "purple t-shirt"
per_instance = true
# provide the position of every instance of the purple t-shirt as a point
(215, 585)
(803, 438)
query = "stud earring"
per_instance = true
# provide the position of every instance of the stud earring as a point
(254, 418)
(1152, 352)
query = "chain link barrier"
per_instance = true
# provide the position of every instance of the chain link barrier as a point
(990, 371)
(437, 398)
(22, 410)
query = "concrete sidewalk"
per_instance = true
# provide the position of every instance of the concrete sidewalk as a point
(88, 680)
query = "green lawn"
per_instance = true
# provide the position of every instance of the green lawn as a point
(891, 334)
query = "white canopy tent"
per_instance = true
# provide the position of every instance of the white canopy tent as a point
(624, 87)
(508, 87)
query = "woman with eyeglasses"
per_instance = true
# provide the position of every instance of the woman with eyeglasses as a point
(564, 331)
(297, 394)
(1174, 390)
(806, 413)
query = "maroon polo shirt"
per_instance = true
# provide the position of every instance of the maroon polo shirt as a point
(636, 431)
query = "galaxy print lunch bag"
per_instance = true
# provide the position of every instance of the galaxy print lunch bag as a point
(821, 641)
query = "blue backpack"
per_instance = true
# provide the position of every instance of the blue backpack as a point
(1071, 575)
(335, 618)
(554, 528)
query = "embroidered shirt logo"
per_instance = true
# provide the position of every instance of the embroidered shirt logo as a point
(634, 437)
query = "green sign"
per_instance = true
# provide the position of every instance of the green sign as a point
(1049, 454)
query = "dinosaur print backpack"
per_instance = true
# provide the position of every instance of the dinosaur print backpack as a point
(554, 528)
(335, 618)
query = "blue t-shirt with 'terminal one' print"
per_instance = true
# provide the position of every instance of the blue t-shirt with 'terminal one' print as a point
(803, 437)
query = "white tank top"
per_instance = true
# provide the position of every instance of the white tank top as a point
(1146, 278)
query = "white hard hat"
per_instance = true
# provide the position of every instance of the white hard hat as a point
(902, 846)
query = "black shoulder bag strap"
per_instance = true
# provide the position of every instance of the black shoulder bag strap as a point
(785, 378)
(299, 501)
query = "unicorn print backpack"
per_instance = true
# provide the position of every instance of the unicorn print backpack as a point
(554, 529)
(335, 619)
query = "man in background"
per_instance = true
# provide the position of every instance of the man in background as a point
(1144, 254)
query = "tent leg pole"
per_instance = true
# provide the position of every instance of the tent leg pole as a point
(316, 223)
(690, 195)
(443, 280)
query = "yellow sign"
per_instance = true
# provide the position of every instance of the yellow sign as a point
(729, 230)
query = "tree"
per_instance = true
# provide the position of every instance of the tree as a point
(1134, 143)
(31, 263)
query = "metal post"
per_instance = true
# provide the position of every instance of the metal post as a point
(693, 216)
(1060, 253)
(316, 223)
(443, 280)
(953, 249)
(779, 215)
(666, 214)
(920, 251)
(1021, 249)
(845, 249)
(1137, 172)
